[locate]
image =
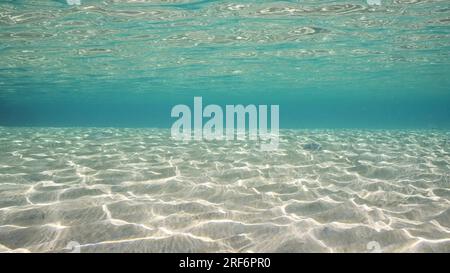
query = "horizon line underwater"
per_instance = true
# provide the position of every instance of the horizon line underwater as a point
(201, 126)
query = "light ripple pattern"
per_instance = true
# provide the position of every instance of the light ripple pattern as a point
(137, 190)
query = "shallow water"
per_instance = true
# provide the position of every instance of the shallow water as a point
(133, 190)
(73, 77)
(126, 63)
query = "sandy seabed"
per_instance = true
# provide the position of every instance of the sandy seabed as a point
(137, 190)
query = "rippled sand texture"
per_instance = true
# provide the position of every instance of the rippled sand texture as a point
(136, 190)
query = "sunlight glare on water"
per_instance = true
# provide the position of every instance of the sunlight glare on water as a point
(327, 63)
(363, 159)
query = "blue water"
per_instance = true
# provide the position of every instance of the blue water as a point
(125, 64)
(88, 164)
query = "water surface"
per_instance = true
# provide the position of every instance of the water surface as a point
(364, 95)
(126, 63)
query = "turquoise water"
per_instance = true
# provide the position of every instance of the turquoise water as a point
(87, 162)
(126, 63)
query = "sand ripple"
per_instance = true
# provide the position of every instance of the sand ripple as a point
(136, 190)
